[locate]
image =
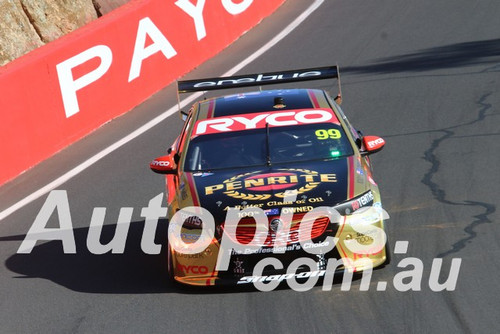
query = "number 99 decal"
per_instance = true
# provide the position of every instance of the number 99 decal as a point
(328, 134)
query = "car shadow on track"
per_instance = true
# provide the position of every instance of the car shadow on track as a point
(132, 272)
(486, 52)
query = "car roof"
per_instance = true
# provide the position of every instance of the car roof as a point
(262, 101)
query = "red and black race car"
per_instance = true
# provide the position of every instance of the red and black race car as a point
(278, 174)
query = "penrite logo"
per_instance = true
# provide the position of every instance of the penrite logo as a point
(302, 180)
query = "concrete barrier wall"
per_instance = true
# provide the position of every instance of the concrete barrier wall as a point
(62, 91)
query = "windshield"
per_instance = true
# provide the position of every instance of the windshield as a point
(234, 149)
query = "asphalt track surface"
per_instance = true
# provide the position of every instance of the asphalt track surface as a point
(424, 75)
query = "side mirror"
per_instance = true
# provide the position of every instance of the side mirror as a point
(163, 165)
(372, 144)
(359, 142)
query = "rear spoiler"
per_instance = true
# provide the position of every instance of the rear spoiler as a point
(260, 79)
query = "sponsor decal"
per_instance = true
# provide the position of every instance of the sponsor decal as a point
(311, 245)
(191, 221)
(192, 269)
(264, 186)
(376, 142)
(259, 78)
(259, 120)
(280, 278)
(160, 163)
(298, 209)
(275, 211)
(189, 237)
(315, 199)
(238, 266)
(207, 252)
(362, 201)
(361, 238)
(186, 86)
(267, 250)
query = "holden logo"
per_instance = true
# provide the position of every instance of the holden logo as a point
(275, 224)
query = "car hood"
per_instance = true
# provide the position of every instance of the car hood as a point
(321, 183)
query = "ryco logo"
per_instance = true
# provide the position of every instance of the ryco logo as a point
(259, 120)
(160, 163)
(373, 143)
(192, 269)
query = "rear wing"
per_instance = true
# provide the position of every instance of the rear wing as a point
(260, 79)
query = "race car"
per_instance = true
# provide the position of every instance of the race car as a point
(264, 182)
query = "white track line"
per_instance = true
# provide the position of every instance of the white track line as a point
(92, 160)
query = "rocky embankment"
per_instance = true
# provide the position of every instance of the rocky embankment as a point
(28, 24)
